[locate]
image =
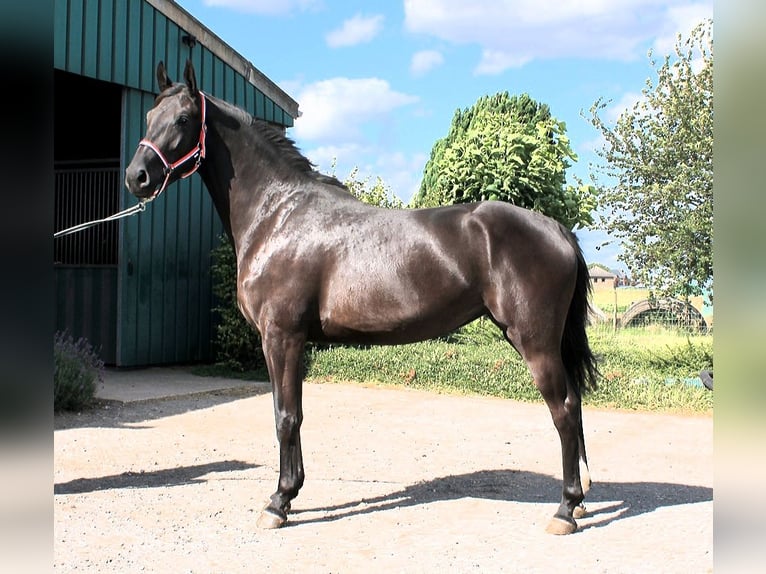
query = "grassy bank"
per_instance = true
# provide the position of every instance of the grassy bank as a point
(648, 369)
(639, 373)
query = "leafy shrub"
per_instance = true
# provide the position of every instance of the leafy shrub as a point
(77, 369)
(378, 194)
(237, 345)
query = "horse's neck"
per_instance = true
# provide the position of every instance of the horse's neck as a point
(243, 183)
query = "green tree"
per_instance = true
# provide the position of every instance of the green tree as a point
(378, 193)
(509, 149)
(660, 156)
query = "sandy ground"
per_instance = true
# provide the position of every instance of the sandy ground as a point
(397, 480)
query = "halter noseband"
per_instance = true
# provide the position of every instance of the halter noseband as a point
(197, 153)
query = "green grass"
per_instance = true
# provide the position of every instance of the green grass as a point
(490, 369)
(639, 373)
(647, 369)
(642, 369)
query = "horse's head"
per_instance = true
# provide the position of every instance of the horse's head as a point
(174, 144)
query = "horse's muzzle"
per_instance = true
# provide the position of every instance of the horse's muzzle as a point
(138, 181)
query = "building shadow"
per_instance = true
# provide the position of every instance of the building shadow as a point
(166, 477)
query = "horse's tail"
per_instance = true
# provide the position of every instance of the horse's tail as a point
(579, 361)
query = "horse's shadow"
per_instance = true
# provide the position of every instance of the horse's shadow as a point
(165, 477)
(624, 499)
(608, 501)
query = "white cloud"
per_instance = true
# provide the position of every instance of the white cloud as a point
(400, 172)
(513, 33)
(334, 111)
(681, 20)
(270, 7)
(334, 130)
(625, 104)
(290, 86)
(356, 30)
(496, 61)
(425, 61)
(333, 159)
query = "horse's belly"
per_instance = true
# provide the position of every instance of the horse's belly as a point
(389, 320)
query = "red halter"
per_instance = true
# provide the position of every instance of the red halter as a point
(197, 153)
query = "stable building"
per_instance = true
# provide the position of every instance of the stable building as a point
(140, 288)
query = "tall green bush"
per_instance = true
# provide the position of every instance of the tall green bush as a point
(507, 148)
(237, 345)
(77, 369)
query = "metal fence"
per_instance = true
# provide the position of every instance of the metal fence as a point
(670, 314)
(85, 193)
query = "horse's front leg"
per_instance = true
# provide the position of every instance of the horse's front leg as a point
(284, 359)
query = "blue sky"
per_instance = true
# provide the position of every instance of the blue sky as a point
(379, 81)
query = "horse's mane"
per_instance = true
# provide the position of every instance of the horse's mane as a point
(290, 153)
(283, 146)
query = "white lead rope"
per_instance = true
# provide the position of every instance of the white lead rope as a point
(130, 211)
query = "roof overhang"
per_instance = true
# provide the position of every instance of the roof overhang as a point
(221, 49)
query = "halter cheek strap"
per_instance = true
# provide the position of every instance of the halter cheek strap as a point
(197, 153)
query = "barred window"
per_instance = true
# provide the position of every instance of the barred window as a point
(86, 192)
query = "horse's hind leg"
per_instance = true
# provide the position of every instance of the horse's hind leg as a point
(585, 480)
(564, 404)
(284, 358)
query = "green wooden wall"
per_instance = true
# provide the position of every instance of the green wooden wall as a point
(86, 306)
(165, 289)
(164, 292)
(121, 41)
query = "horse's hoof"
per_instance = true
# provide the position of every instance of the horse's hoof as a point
(268, 504)
(579, 511)
(559, 526)
(271, 519)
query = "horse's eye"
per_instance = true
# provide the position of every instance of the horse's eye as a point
(182, 120)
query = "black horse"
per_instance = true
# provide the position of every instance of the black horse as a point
(316, 264)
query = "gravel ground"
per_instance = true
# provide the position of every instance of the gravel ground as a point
(397, 480)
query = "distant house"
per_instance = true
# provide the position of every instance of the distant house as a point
(601, 278)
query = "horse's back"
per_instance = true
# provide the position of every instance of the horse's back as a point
(404, 275)
(395, 276)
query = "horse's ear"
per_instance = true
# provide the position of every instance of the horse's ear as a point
(163, 80)
(190, 77)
